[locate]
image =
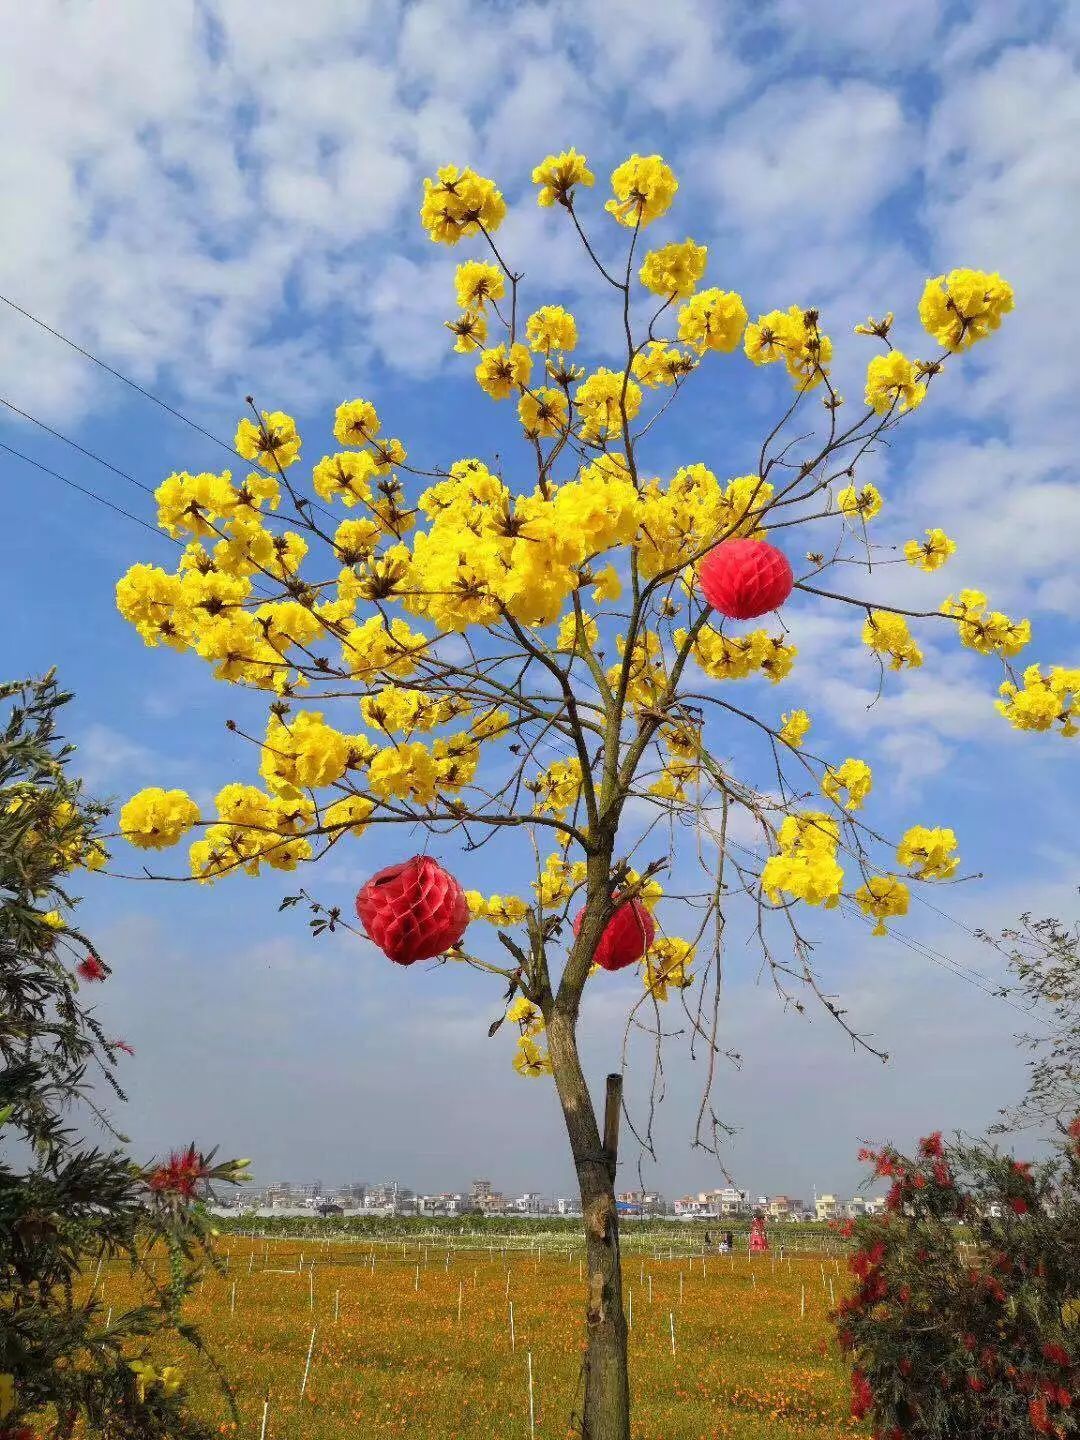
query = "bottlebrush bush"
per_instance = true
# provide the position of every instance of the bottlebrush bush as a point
(66, 1204)
(965, 1320)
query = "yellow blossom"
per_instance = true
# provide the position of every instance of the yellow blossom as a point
(928, 853)
(558, 174)
(551, 328)
(460, 203)
(469, 331)
(499, 372)
(1043, 700)
(860, 503)
(356, 422)
(713, 320)
(931, 553)
(543, 413)
(990, 632)
(887, 634)
(793, 727)
(674, 269)
(526, 1016)
(892, 380)
(666, 964)
(854, 777)
(530, 1059)
(155, 819)
(274, 444)
(599, 400)
(963, 306)
(644, 188)
(476, 282)
(882, 897)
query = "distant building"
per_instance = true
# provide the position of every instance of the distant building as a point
(826, 1207)
(782, 1207)
(531, 1204)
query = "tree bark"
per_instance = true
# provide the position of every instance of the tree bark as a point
(606, 1413)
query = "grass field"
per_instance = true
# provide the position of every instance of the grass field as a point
(392, 1357)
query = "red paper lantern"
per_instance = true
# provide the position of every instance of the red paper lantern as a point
(413, 911)
(627, 935)
(745, 578)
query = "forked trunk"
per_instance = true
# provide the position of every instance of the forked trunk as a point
(606, 1412)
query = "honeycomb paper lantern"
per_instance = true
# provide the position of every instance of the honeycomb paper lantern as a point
(745, 578)
(413, 911)
(627, 935)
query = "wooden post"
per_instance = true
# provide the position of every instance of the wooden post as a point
(307, 1366)
(266, 1410)
(612, 1113)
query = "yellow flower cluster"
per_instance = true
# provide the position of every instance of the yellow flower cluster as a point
(674, 270)
(666, 966)
(558, 174)
(693, 512)
(853, 777)
(882, 897)
(253, 828)
(558, 880)
(675, 777)
(931, 553)
(459, 203)
(713, 320)
(273, 444)
(791, 335)
(794, 725)
(990, 632)
(500, 910)
(644, 188)
(170, 1378)
(399, 711)
(888, 634)
(893, 380)
(527, 1017)
(551, 328)
(58, 826)
(928, 853)
(502, 371)
(600, 401)
(302, 752)
(557, 788)
(544, 413)
(806, 867)
(154, 819)
(860, 503)
(1043, 701)
(963, 306)
(734, 657)
(659, 364)
(476, 282)
(530, 1060)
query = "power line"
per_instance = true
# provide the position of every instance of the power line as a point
(90, 455)
(124, 379)
(90, 494)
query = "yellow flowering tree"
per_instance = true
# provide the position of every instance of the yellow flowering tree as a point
(444, 648)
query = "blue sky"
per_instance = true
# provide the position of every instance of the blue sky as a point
(242, 219)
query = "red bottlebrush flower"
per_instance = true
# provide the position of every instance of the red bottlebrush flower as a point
(941, 1174)
(931, 1147)
(1057, 1354)
(1018, 1206)
(745, 578)
(863, 1261)
(413, 911)
(1039, 1417)
(1022, 1167)
(866, 1155)
(976, 1384)
(968, 1342)
(91, 969)
(1074, 1130)
(862, 1397)
(905, 1294)
(627, 935)
(905, 1366)
(180, 1174)
(122, 1045)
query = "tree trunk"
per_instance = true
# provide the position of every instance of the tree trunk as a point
(606, 1413)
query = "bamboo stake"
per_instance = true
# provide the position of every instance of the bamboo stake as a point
(671, 1322)
(513, 1337)
(532, 1411)
(337, 1306)
(307, 1366)
(266, 1409)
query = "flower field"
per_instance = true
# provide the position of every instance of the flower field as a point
(416, 1340)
